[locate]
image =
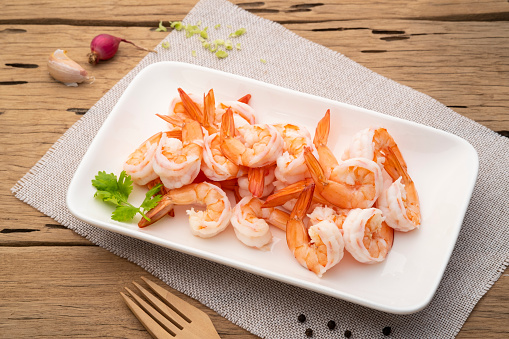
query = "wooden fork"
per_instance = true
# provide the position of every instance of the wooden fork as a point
(171, 318)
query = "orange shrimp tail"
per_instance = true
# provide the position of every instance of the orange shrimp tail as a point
(227, 125)
(163, 207)
(315, 170)
(245, 99)
(303, 202)
(172, 119)
(256, 180)
(209, 104)
(191, 130)
(191, 107)
(287, 193)
(322, 131)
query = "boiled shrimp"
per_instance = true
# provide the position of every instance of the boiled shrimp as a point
(400, 202)
(250, 222)
(354, 183)
(291, 165)
(399, 211)
(238, 108)
(139, 163)
(214, 164)
(177, 162)
(367, 237)
(258, 182)
(203, 224)
(256, 145)
(318, 248)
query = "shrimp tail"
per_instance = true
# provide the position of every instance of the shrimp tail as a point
(162, 208)
(191, 108)
(209, 105)
(322, 131)
(256, 181)
(245, 99)
(296, 234)
(316, 171)
(303, 202)
(286, 194)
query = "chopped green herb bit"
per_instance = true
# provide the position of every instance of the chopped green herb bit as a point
(193, 53)
(161, 27)
(263, 61)
(217, 26)
(206, 44)
(228, 45)
(228, 26)
(202, 40)
(219, 42)
(238, 33)
(177, 25)
(237, 46)
(203, 34)
(198, 23)
(221, 54)
(165, 44)
(213, 48)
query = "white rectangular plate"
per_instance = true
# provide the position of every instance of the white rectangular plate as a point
(443, 167)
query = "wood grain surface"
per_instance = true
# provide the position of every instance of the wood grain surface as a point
(56, 283)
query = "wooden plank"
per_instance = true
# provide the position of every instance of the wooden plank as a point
(41, 298)
(129, 12)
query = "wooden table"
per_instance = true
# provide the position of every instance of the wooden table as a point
(56, 283)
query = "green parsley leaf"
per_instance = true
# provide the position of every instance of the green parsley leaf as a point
(124, 213)
(165, 44)
(151, 200)
(217, 26)
(105, 182)
(193, 53)
(228, 45)
(116, 192)
(263, 61)
(237, 46)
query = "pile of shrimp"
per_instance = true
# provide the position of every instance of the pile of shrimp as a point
(280, 177)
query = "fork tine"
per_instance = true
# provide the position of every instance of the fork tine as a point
(200, 321)
(168, 324)
(177, 304)
(162, 307)
(150, 324)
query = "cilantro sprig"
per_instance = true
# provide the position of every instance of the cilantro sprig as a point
(116, 192)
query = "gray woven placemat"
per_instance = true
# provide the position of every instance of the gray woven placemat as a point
(269, 308)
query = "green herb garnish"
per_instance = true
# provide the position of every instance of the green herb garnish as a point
(177, 25)
(161, 27)
(221, 54)
(165, 44)
(116, 192)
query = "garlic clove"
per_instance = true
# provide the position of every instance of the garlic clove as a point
(64, 69)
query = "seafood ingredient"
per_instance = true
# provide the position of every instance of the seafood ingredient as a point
(367, 237)
(317, 248)
(204, 224)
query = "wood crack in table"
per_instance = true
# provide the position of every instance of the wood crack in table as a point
(454, 51)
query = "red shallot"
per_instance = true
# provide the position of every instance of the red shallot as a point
(105, 46)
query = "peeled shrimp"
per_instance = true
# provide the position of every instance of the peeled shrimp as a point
(238, 108)
(367, 237)
(321, 246)
(400, 202)
(354, 183)
(321, 213)
(177, 162)
(139, 163)
(258, 182)
(399, 212)
(250, 222)
(256, 145)
(291, 165)
(214, 164)
(203, 224)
